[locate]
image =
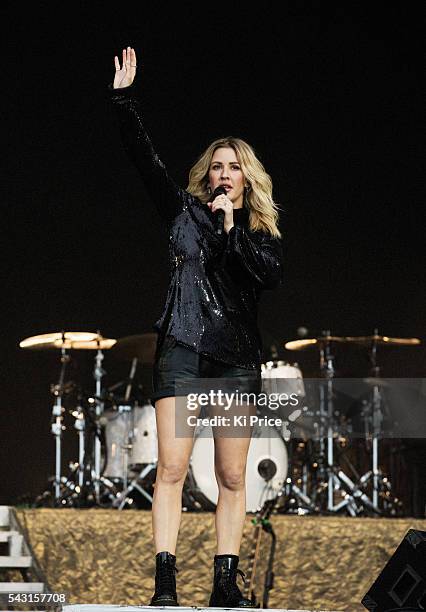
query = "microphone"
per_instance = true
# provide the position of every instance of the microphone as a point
(220, 213)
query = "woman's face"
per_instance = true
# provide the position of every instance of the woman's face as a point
(225, 170)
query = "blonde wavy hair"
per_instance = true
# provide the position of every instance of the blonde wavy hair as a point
(263, 210)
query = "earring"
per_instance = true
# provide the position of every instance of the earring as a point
(209, 189)
(248, 187)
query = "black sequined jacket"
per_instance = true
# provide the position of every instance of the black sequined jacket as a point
(215, 281)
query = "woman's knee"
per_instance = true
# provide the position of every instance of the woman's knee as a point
(232, 479)
(171, 472)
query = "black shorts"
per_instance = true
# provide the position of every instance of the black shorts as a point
(178, 370)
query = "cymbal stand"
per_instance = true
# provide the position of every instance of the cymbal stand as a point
(325, 458)
(326, 399)
(98, 373)
(375, 419)
(377, 422)
(80, 426)
(354, 499)
(57, 426)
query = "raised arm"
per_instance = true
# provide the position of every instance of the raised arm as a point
(166, 195)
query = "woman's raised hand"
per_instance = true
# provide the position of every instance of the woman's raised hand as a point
(125, 75)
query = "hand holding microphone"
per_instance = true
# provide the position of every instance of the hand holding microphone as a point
(220, 204)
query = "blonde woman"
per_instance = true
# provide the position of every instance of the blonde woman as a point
(208, 329)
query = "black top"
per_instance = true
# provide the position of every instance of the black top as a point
(215, 280)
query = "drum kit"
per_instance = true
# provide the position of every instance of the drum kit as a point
(325, 486)
(116, 430)
(117, 436)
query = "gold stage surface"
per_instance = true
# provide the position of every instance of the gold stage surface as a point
(107, 556)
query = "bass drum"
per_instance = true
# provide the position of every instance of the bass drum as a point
(267, 465)
(145, 439)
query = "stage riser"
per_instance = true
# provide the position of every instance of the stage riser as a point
(107, 556)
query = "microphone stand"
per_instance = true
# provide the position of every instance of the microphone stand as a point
(269, 574)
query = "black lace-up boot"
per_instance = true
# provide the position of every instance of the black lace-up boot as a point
(165, 580)
(226, 593)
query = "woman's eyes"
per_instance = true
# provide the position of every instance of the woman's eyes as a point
(232, 167)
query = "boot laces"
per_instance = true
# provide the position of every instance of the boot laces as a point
(229, 581)
(166, 576)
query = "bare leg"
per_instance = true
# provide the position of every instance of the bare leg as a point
(230, 469)
(173, 460)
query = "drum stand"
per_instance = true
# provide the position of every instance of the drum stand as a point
(297, 500)
(123, 499)
(293, 494)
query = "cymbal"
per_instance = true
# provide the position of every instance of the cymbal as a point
(140, 346)
(57, 340)
(375, 338)
(100, 344)
(298, 345)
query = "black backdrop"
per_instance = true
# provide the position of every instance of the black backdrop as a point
(331, 103)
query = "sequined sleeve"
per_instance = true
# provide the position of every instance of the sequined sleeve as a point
(257, 255)
(168, 197)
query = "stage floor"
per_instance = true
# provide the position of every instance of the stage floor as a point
(106, 556)
(97, 608)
